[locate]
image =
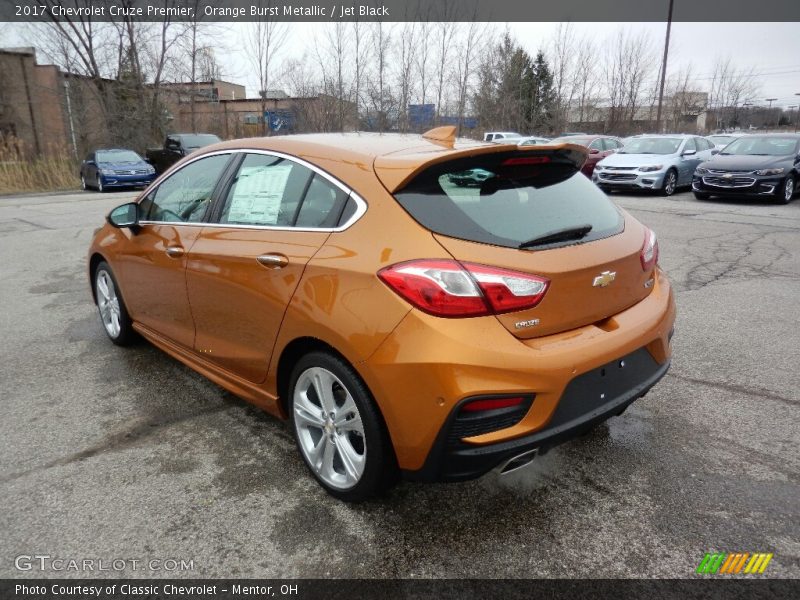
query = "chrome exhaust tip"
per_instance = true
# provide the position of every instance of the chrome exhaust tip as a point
(517, 462)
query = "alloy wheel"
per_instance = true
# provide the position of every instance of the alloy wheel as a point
(83, 183)
(108, 303)
(669, 184)
(788, 190)
(329, 428)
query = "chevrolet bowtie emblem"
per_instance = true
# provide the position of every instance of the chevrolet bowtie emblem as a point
(604, 279)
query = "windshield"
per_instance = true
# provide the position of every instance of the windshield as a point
(118, 156)
(502, 200)
(719, 140)
(762, 146)
(651, 145)
(198, 141)
(573, 139)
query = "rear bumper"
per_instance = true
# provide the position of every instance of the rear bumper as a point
(587, 401)
(428, 367)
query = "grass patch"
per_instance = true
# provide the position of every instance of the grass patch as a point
(20, 172)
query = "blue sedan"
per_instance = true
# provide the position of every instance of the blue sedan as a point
(115, 167)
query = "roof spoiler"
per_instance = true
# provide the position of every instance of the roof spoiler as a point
(442, 136)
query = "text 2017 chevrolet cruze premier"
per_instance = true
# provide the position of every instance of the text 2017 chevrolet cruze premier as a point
(404, 322)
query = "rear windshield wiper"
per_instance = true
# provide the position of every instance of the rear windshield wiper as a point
(559, 235)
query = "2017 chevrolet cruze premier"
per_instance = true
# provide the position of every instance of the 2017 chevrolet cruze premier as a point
(402, 321)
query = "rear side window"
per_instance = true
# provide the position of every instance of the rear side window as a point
(499, 199)
(277, 192)
(266, 191)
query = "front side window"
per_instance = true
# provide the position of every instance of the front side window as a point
(596, 145)
(690, 145)
(185, 195)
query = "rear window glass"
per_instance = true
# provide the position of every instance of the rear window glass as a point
(486, 200)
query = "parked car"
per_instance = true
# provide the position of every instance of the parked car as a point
(571, 133)
(500, 136)
(720, 140)
(600, 146)
(176, 146)
(114, 168)
(402, 323)
(653, 162)
(765, 166)
(533, 141)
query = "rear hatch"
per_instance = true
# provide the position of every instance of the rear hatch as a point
(531, 211)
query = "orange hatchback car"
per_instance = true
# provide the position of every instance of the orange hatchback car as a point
(413, 305)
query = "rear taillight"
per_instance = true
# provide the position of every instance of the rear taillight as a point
(448, 288)
(649, 253)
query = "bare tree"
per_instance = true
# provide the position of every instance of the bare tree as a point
(445, 31)
(470, 46)
(629, 62)
(264, 41)
(331, 56)
(563, 58)
(379, 90)
(408, 40)
(585, 80)
(730, 88)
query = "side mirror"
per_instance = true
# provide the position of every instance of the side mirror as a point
(126, 215)
(714, 151)
(689, 152)
(594, 151)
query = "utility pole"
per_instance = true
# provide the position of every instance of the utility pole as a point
(663, 70)
(769, 110)
(746, 106)
(795, 125)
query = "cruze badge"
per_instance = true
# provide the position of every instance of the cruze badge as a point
(604, 279)
(524, 324)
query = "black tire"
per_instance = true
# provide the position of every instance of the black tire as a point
(670, 183)
(380, 470)
(702, 195)
(787, 190)
(99, 187)
(126, 334)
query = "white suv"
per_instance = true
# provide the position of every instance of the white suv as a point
(497, 136)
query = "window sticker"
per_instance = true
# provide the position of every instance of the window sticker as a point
(258, 193)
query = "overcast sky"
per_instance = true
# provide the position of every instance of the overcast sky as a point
(772, 49)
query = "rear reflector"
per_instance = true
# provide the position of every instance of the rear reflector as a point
(448, 288)
(491, 404)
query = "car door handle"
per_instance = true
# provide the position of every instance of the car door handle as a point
(273, 260)
(175, 251)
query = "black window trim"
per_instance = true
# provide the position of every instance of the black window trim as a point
(225, 180)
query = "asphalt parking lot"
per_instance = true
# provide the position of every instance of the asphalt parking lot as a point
(124, 453)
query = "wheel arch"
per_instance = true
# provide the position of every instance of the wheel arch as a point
(95, 259)
(299, 347)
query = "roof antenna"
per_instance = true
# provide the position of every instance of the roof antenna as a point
(442, 136)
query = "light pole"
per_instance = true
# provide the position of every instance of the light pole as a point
(769, 110)
(746, 106)
(663, 70)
